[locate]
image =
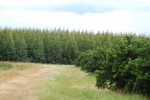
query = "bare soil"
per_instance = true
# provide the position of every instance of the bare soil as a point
(21, 86)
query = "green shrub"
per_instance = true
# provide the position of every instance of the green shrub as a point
(126, 66)
(84, 60)
(123, 64)
(90, 60)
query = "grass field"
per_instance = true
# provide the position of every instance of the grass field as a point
(70, 83)
(29, 81)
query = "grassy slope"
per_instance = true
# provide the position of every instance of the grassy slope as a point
(69, 83)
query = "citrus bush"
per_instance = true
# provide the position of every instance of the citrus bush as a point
(85, 61)
(122, 65)
(126, 66)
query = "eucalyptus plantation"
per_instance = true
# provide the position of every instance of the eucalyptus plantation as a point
(20, 46)
(7, 46)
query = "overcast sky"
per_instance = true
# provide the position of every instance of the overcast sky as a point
(91, 15)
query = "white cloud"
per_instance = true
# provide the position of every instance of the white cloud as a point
(115, 21)
(28, 3)
(123, 19)
(95, 3)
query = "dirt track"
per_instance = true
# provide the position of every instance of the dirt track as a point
(21, 87)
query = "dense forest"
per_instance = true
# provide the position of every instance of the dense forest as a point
(120, 61)
(48, 46)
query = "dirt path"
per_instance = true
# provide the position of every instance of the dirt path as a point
(21, 87)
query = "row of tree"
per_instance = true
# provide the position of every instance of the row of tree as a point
(47, 46)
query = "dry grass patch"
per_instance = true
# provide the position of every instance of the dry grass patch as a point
(6, 75)
(19, 86)
(17, 69)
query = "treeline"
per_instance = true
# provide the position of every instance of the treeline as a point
(120, 64)
(47, 46)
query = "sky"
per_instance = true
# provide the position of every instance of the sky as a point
(91, 15)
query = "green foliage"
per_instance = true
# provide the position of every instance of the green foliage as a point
(122, 64)
(29, 39)
(85, 61)
(7, 46)
(35, 48)
(52, 48)
(70, 51)
(20, 46)
(38, 50)
(46, 46)
(85, 42)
